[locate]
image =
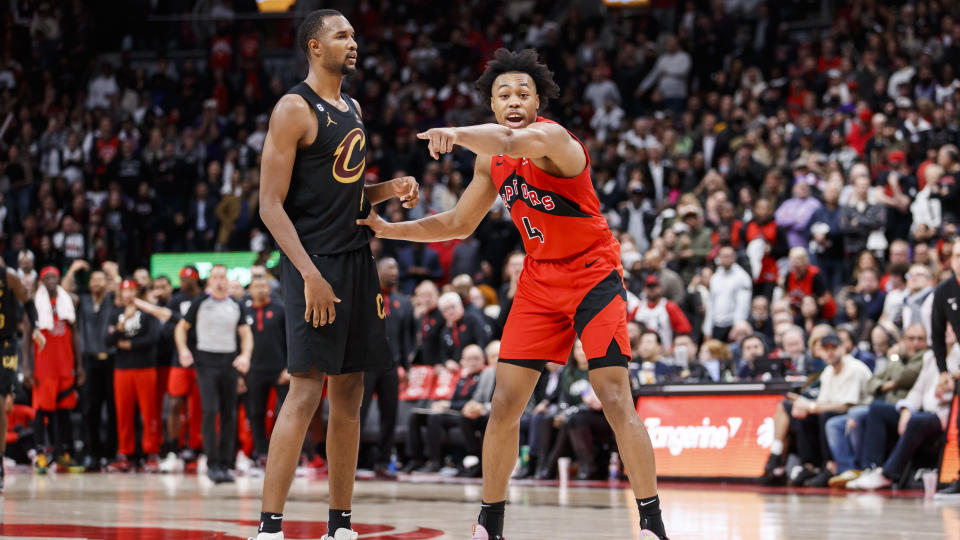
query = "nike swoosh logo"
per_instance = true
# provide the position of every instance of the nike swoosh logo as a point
(589, 264)
(346, 514)
(276, 517)
(646, 503)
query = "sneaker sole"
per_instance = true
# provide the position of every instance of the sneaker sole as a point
(648, 535)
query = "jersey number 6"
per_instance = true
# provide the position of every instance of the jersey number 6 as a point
(532, 232)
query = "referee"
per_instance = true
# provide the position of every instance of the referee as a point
(218, 319)
(946, 307)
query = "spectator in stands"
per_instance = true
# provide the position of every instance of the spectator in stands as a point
(476, 412)
(868, 294)
(714, 363)
(652, 360)
(673, 287)
(766, 242)
(859, 218)
(693, 242)
(759, 318)
(731, 290)
(891, 384)
(842, 385)
(577, 409)
(442, 416)
(670, 75)
(660, 315)
(431, 324)
(462, 328)
(917, 422)
(418, 262)
(826, 244)
(794, 214)
(917, 304)
(753, 350)
(804, 280)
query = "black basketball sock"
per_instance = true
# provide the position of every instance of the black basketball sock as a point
(270, 522)
(650, 517)
(491, 517)
(338, 519)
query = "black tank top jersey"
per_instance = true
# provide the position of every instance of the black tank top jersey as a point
(8, 308)
(326, 187)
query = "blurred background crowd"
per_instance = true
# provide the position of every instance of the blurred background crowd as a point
(777, 173)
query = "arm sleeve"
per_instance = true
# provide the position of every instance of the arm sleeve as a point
(819, 286)
(652, 77)
(191, 316)
(149, 333)
(678, 320)
(744, 298)
(938, 324)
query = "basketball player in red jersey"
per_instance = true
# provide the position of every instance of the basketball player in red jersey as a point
(572, 280)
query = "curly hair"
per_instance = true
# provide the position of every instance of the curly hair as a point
(525, 61)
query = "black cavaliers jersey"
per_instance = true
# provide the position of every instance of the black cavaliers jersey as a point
(8, 308)
(326, 187)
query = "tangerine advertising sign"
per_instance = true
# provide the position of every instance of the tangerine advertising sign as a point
(710, 436)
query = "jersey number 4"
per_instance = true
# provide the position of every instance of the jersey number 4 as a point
(532, 232)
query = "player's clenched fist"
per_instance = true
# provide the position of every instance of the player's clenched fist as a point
(441, 140)
(407, 190)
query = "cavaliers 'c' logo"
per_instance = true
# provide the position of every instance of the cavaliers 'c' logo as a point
(341, 166)
(381, 309)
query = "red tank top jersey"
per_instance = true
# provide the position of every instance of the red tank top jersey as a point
(798, 288)
(557, 217)
(56, 358)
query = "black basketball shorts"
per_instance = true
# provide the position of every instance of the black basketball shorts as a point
(356, 341)
(8, 367)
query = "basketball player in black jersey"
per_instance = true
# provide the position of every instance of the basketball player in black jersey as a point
(311, 193)
(11, 290)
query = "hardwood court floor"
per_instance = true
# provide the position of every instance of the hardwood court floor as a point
(155, 507)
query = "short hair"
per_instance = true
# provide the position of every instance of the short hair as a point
(450, 298)
(718, 349)
(218, 265)
(758, 337)
(312, 25)
(525, 61)
(652, 333)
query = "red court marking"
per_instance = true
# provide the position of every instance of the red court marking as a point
(60, 530)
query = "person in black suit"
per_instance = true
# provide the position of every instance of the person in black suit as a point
(401, 340)
(201, 220)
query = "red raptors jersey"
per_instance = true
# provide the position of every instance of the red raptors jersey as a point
(557, 217)
(56, 358)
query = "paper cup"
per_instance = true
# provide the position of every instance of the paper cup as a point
(563, 466)
(929, 483)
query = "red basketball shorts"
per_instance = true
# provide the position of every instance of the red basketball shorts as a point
(558, 300)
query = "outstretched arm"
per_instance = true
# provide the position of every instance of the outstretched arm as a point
(456, 223)
(536, 141)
